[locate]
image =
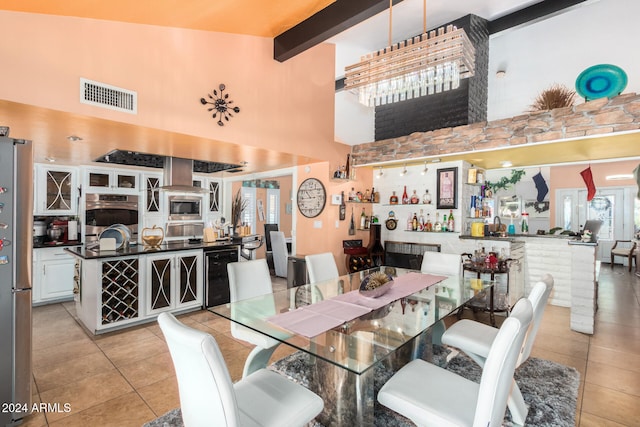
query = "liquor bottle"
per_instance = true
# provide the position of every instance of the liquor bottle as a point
(343, 207)
(426, 197)
(437, 226)
(410, 223)
(375, 197)
(367, 196)
(421, 221)
(352, 194)
(525, 223)
(414, 222)
(414, 198)
(405, 197)
(443, 227)
(393, 200)
(363, 219)
(451, 225)
(428, 226)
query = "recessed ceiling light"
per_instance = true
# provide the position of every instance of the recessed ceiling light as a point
(424, 171)
(74, 138)
(506, 164)
(404, 171)
(501, 74)
(50, 159)
(435, 161)
(379, 173)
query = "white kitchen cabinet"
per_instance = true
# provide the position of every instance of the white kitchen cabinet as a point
(55, 190)
(53, 271)
(153, 203)
(109, 180)
(174, 281)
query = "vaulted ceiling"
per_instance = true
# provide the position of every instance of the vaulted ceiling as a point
(274, 19)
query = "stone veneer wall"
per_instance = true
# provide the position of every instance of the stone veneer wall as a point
(598, 117)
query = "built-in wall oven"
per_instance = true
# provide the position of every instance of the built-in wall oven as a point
(185, 208)
(104, 210)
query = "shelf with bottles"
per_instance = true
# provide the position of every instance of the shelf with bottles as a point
(358, 202)
(432, 232)
(410, 199)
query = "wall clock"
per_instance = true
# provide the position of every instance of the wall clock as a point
(311, 197)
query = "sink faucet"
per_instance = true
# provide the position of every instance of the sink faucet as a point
(498, 219)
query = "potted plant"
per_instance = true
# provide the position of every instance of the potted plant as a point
(238, 206)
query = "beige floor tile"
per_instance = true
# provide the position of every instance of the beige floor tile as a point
(235, 363)
(619, 343)
(86, 393)
(562, 345)
(590, 420)
(137, 350)
(124, 337)
(57, 337)
(36, 419)
(128, 410)
(62, 352)
(605, 375)
(161, 396)
(200, 316)
(148, 371)
(618, 330)
(618, 359)
(616, 406)
(71, 370)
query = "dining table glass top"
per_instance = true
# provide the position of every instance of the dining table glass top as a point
(356, 345)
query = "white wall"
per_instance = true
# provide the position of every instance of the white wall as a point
(536, 55)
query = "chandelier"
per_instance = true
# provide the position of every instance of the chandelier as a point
(429, 63)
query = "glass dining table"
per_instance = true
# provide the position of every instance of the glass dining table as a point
(344, 357)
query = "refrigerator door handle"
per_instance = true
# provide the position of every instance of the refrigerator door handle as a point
(15, 291)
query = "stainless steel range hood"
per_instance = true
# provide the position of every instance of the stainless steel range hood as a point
(178, 176)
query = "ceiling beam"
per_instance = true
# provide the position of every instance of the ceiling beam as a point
(531, 13)
(332, 20)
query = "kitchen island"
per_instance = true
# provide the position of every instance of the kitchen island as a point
(132, 285)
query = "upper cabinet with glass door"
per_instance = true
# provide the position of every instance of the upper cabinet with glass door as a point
(56, 190)
(105, 180)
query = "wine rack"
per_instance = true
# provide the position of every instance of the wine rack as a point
(120, 290)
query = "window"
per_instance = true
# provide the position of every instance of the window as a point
(273, 206)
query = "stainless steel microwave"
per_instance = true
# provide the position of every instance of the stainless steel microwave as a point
(185, 208)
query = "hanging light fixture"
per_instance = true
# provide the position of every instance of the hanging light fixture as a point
(404, 171)
(423, 65)
(379, 173)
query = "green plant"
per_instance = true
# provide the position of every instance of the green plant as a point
(504, 182)
(557, 96)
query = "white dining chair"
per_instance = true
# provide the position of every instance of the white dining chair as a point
(475, 339)
(432, 396)
(321, 267)
(280, 253)
(249, 279)
(441, 263)
(209, 398)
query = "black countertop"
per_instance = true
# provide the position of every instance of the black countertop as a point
(84, 253)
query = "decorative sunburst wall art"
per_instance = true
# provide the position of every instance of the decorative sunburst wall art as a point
(221, 104)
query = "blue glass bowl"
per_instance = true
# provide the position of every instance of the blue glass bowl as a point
(601, 81)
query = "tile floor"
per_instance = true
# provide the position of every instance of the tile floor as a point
(126, 378)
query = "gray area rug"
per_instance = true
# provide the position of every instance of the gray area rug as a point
(550, 389)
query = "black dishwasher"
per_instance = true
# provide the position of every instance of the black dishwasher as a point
(216, 276)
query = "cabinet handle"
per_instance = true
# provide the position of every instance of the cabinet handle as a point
(44, 270)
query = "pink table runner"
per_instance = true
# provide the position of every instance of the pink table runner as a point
(312, 320)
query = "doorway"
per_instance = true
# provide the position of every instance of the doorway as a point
(614, 206)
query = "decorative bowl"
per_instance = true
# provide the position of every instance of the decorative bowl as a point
(375, 285)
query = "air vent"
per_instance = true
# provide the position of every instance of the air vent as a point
(107, 96)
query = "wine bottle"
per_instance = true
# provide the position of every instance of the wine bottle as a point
(405, 197)
(451, 224)
(443, 227)
(414, 222)
(363, 219)
(343, 207)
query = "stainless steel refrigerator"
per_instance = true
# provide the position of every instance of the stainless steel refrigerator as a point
(16, 245)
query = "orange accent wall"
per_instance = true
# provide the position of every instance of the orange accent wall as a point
(310, 240)
(569, 177)
(282, 104)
